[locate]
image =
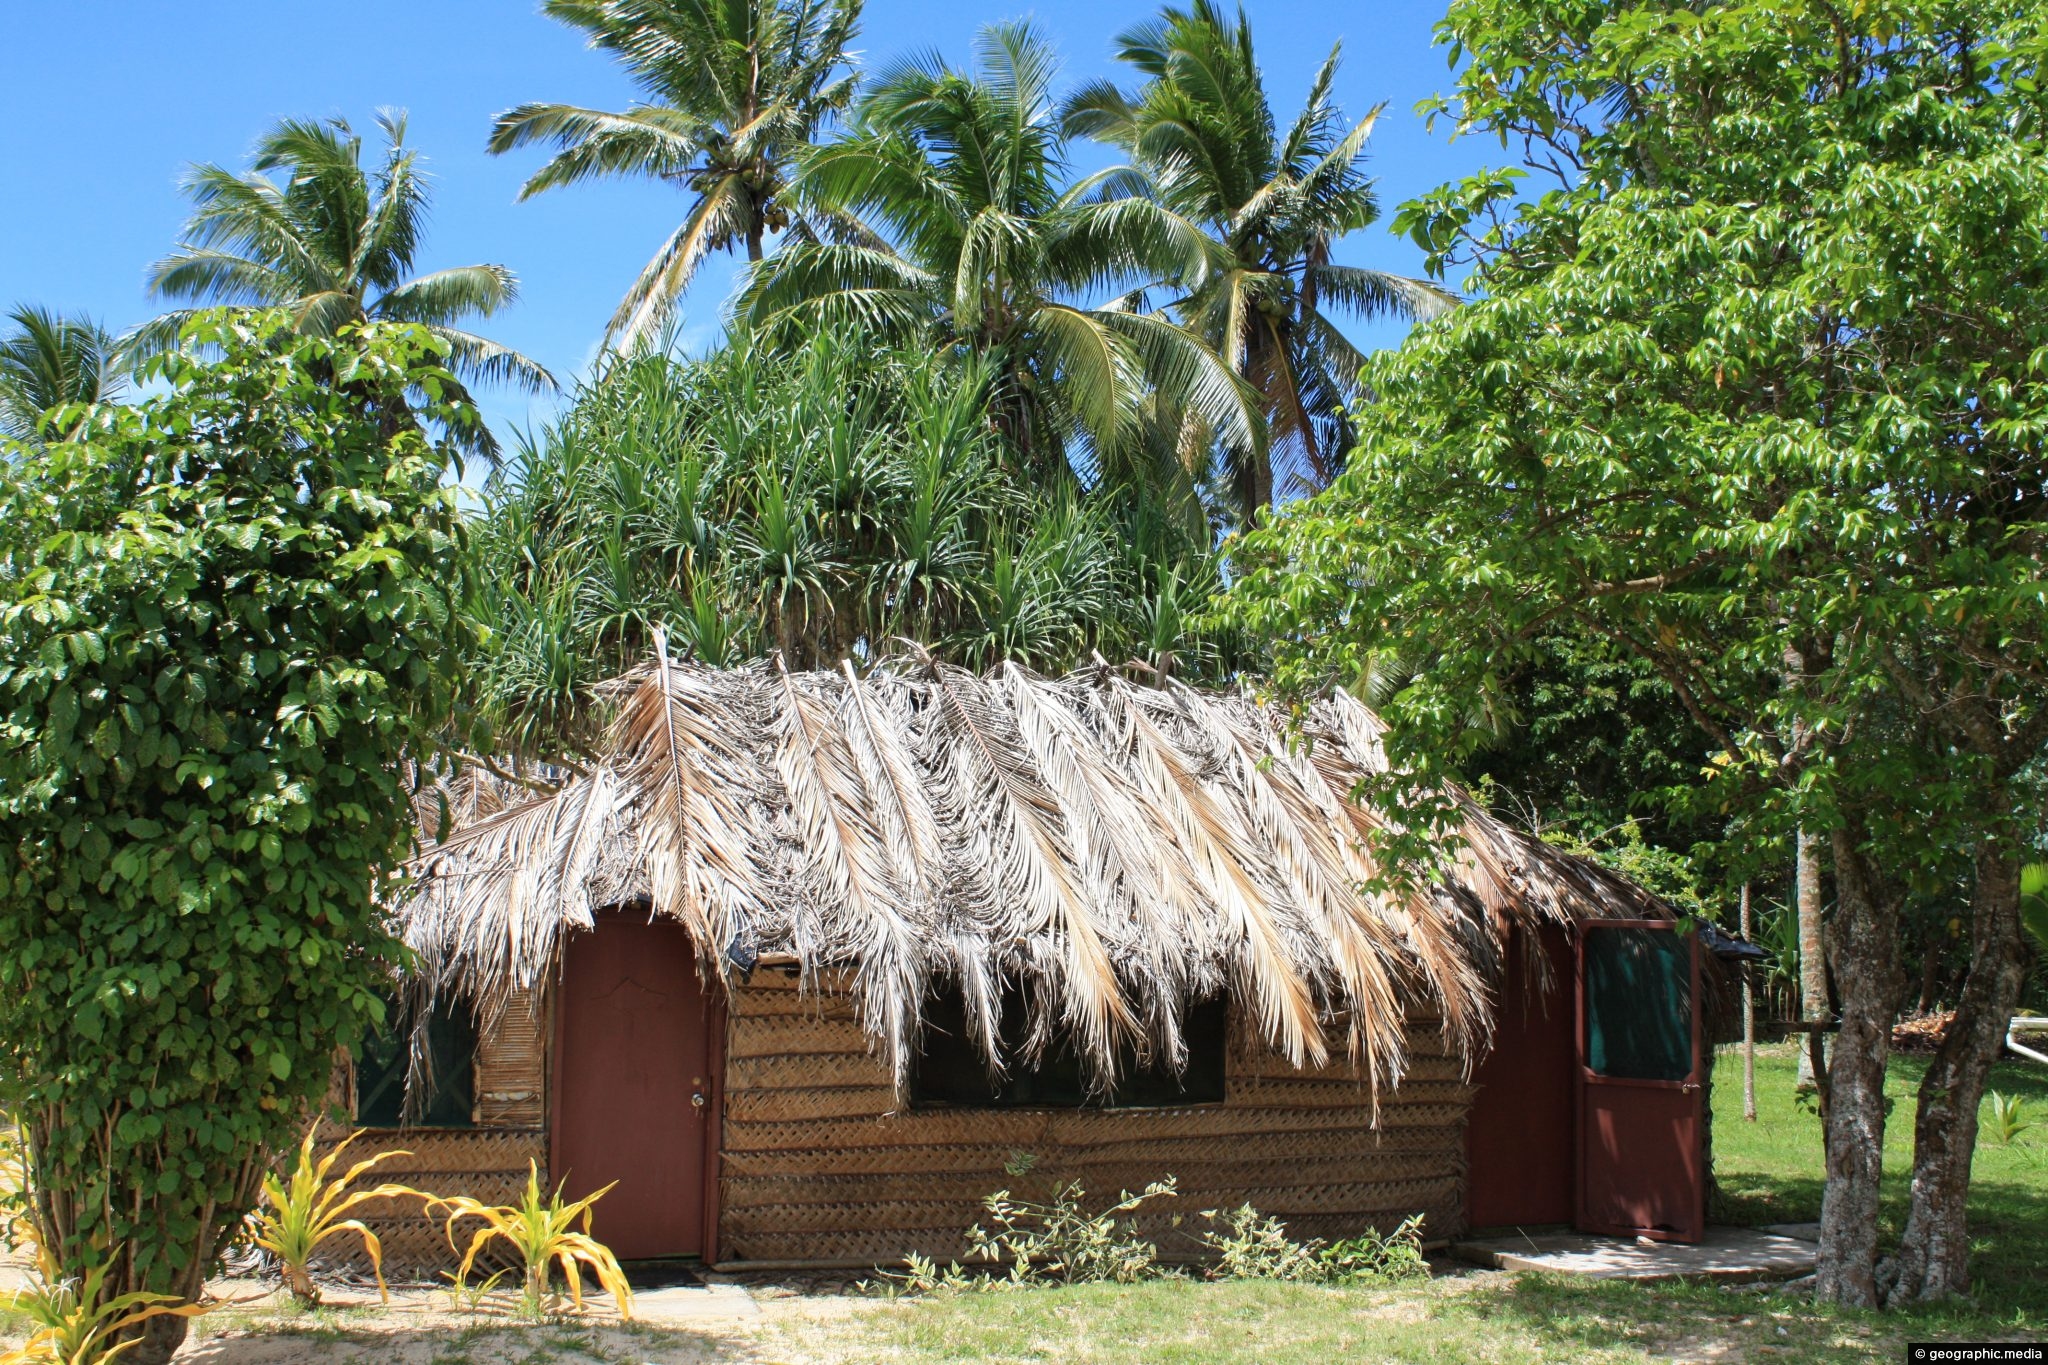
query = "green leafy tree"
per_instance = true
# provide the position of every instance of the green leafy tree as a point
(1273, 203)
(233, 619)
(1705, 411)
(972, 240)
(734, 89)
(50, 361)
(823, 503)
(334, 243)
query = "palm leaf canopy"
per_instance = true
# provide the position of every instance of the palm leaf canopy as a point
(312, 229)
(1114, 849)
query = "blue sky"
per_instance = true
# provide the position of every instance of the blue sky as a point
(105, 102)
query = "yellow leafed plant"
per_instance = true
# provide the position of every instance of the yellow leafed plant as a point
(543, 1231)
(15, 1229)
(73, 1325)
(296, 1216)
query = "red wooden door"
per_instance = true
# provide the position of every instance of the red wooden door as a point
(633, 1099)
(1642, 1107)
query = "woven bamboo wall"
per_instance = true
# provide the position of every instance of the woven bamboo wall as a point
(816, 1167)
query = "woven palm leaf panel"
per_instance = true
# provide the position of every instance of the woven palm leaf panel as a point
(487, 1161)
(818, 1164)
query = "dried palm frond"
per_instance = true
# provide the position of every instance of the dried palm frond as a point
(1225, 855)
(835, 817)
(1011, 825)
(1104, 851)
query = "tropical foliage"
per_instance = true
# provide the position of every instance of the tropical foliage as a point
(78, 1322)
(231, 619)
(1272, 203)
(49, 361)
(543, 1231)
(1702, 398)
(334, 243)
(733, 90)
(823, 503)
(305, 1209)
(973, 240)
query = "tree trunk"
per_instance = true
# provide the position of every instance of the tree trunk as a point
(1933, 1260)
(1866, 943)
(156, 1340)
(1813, 958)
(1748, 1023)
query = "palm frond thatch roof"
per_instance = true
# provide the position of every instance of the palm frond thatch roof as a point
(1117, 850)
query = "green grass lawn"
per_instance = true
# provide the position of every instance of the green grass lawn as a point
(1769, 1171)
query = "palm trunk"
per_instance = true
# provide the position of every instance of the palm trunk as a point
(1813, 958)
(1867, 973)
(1933, 1260)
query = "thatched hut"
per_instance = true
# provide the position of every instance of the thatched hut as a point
(809, 959)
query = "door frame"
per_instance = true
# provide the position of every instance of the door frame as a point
(715, 1016)
(1583, 1077)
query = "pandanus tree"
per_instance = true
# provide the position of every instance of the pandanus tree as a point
(825, 503)
(732, 90)
(968, 237)
(334, 243)
(50, 361)
(1272, 203)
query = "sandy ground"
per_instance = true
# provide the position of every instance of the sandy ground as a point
(763, 1322)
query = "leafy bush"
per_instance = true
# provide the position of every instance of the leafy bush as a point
(1250, 1246)
(1028, 1242)
(541, 1230)
(299, 1214)
(1058, 1240)
(1378, 1258)
(227, 619)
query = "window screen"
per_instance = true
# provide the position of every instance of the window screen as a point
(1639, 1004)
(380, 1073)
(949, 1071)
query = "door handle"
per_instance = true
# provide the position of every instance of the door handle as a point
(697, 1100)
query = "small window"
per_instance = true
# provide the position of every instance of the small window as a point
(381, 1066)
(949, 1070)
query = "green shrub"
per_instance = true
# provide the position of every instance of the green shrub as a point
(1059, 1240)
(1247, 1245)
(226, 624)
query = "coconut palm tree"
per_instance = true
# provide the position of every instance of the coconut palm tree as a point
(1273, 204)
(733, 89)
(50, 361)
(970, 239)
(334, 243)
